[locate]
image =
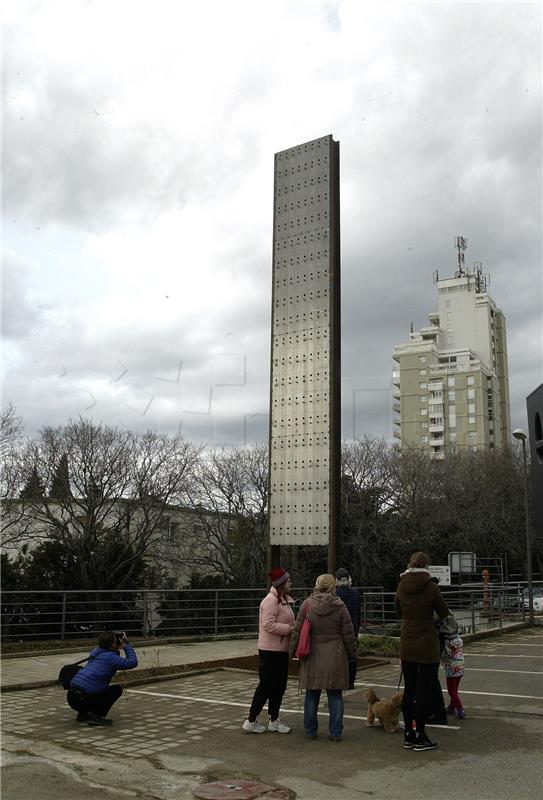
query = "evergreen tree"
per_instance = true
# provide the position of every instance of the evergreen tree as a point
(33, 488)
(60, 487)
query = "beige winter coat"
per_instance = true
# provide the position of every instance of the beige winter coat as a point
(332, 643)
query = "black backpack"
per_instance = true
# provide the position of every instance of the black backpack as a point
(69, 671)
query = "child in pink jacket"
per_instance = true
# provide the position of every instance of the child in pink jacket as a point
(275, 624)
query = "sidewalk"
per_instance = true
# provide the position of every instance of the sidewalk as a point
(39, 670)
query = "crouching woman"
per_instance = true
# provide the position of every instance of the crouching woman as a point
(90, 693)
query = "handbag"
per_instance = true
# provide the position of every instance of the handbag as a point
(69, 671)
(303, 648)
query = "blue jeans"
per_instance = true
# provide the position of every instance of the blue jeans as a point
(335, 707)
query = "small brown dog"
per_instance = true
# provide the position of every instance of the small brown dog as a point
(384, 712)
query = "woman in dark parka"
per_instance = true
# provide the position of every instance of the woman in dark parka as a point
(418, 598)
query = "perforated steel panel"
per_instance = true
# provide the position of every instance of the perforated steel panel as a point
(305, 402)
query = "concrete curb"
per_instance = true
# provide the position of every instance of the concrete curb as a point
(18, 687)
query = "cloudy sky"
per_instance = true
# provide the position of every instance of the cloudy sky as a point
(138, 156)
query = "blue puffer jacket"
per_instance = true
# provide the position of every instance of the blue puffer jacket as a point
(351, 598)
(98, 672)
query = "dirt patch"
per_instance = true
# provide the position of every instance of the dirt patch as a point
(248, 663)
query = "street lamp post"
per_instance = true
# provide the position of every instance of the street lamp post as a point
(518, 433)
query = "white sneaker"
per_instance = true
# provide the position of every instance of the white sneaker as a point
(253, 727)
(278, 727)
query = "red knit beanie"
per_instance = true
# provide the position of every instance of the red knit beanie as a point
(278, 576)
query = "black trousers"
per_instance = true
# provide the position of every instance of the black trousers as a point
(273, 674)
(352, 673)
(98, 703)
(419, 681)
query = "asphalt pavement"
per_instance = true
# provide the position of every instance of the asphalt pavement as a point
(169, 737)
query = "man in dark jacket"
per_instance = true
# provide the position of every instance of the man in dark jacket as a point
(351, 597)
(90, 693)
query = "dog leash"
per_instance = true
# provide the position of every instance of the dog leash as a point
(400, 680)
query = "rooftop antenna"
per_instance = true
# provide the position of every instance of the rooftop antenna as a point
(411, 327)
(435, 276)
(480, 279)
(461, 245)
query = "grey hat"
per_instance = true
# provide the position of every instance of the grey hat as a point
(342, 573)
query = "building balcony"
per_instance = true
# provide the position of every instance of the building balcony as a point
(396, 377)
(396, 434)
(397, 421)
(437, 442)
(435, 383)
(437, 456)
(436, 428)
(396, 407)
(435, 410)
(432, 400)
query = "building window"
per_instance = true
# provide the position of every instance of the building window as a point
(423, 424)
(423, 412)
(449, 339)
(472, 436)
(452, 436)
(423, 398)
(450, 382)
(424, 440)
(471, 394)
(422, 386)
(471, 420)
(449, 315)
(471, 408)
(422, 372)
(448, 303)
(451, 397)
(470, 380)
(422, 359)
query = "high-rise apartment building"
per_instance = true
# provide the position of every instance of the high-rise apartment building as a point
(451, 386)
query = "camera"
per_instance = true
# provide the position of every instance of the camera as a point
(120, 636)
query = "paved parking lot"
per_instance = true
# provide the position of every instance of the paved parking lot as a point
(170, 736)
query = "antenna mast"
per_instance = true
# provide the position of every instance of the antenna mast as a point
(461, 245)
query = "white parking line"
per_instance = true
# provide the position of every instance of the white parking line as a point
(244, 705)
(513, 671)
(502, 655)
(465, 691)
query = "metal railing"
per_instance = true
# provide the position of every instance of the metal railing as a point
(78, 614)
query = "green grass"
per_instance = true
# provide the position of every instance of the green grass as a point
(378, 645)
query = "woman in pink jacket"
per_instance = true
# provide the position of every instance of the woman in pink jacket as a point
(275, 624)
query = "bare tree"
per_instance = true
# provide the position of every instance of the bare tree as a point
(229, 498)
(115, 487)
(15, 529)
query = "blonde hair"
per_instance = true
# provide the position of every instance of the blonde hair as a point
(419, 560)
(325, 583)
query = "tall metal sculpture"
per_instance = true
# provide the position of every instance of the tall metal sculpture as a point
(305, 403)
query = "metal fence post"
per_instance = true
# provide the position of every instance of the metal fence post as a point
(216, 615)
(365, 611)
(63, 621)
(144, 615)
(472, 603)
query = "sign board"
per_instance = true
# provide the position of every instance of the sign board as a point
(464, 563)
(441, 572)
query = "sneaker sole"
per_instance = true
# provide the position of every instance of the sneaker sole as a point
(422, 749)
